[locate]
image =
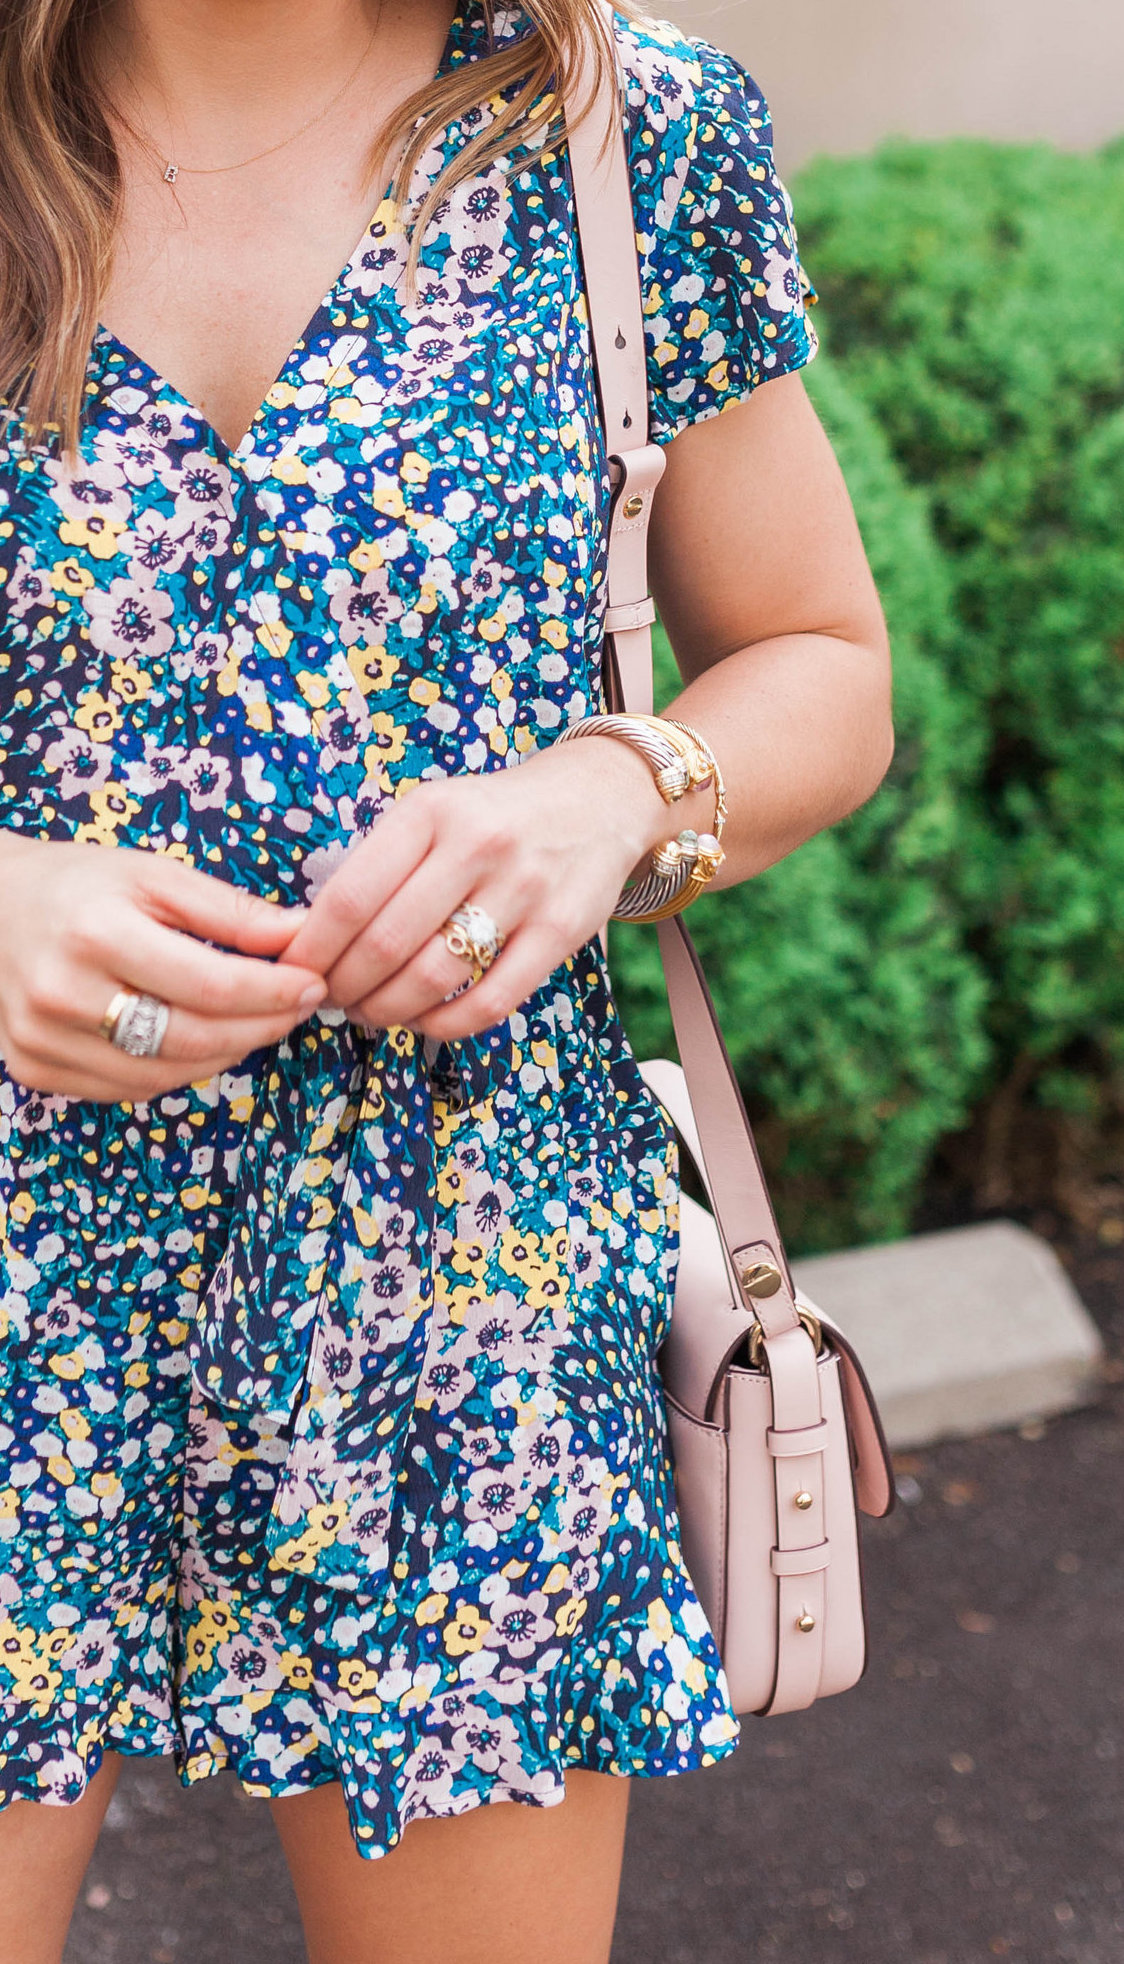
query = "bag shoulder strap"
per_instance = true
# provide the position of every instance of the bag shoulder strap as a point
(607, 235)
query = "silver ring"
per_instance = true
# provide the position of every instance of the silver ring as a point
(136, 1024)
(473, 937)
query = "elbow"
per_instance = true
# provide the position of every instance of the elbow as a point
(876, 753)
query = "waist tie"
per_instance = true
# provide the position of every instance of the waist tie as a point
(318, 1313)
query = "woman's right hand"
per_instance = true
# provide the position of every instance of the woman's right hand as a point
(80, 922)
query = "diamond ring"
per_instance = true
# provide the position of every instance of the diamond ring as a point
(473, 937)
(135, 1024)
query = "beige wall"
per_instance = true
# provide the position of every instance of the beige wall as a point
(842, 73)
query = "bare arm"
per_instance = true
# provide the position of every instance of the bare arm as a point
(762, 583)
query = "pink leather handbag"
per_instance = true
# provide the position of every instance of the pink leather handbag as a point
(774, 1433)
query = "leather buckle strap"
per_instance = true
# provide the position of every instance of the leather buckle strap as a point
(796, 1445)
(801, 1561)
(630, 615)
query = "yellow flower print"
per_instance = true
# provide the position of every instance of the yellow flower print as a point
(175, 1332)
(556, 632)
(100, 718)
(112, 806)
(315, 688)
(569, 1615)
(388, 499)
(537, 1262)
(275, 636)
(226, 681)
(105, 1485)
(35, 1685)
(9, 1504)
(493, 627)
(469, 1258)
(659, 1621)
(75, 1424)
(451, 1185)
(424, 691)
(290, 469)
(16, 1645)
(96, 533)
(137, 1375)
(129, 682)
(553, 573)
(70, 576)
(431, 1609)
(69, 1364)
(21, 1208)
(466, 1631)
(366, 557)
(355, 1678)
(372, 668)
(324, 1524)
(457, 1302)
(389, 745)
(296, 1669)
(60, 1469)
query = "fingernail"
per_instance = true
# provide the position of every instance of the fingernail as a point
(315, 993)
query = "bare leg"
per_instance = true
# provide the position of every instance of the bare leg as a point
(44, 1853)
(506, 1884)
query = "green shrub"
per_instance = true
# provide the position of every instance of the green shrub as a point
(961, 940)
(976, 307)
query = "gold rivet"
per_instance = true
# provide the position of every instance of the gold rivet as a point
(762, 1279)
(804, 1501)
(633, 506)
(806, 1623)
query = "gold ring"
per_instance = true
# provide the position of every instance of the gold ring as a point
(114, 1013)
(473, 937)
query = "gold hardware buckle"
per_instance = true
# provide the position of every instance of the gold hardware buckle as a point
(811, 1323)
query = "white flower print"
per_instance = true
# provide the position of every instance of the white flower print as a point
(205, 775)
(782, 281)
(364, 608)
(129, 619)
(154, 543)
(81, 763)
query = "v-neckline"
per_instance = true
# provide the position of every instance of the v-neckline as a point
(163, 389)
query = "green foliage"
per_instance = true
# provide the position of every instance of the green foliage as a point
(966, 930)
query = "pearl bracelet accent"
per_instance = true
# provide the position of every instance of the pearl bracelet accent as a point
(681, 761)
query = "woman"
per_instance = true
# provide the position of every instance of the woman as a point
(336, 1268)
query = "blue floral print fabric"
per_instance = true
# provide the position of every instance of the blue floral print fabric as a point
(331, 1443)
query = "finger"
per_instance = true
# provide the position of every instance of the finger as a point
(142, 955)
(427, 980)
(362, 884)
(77, 1063)
(528, 958)
(398, 942)
(182, 896)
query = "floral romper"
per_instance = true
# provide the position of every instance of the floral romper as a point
(331, 1441)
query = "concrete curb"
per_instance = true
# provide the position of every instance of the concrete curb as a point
(961, 1333)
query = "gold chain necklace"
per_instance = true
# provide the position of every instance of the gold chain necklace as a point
(169, 170)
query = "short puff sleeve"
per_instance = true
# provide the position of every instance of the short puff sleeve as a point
(724, 293)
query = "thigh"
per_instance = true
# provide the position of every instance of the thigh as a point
(44, 1853)
(500, 1885)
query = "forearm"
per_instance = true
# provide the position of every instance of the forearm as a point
(801, 729)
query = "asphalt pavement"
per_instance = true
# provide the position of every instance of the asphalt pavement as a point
(965, 1803)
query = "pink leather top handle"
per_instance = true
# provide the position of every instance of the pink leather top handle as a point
(607, 233)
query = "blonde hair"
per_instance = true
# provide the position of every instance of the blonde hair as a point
(60, 178)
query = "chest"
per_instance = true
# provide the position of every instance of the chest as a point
(214, 284)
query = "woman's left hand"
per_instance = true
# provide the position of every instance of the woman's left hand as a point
(544, 848)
